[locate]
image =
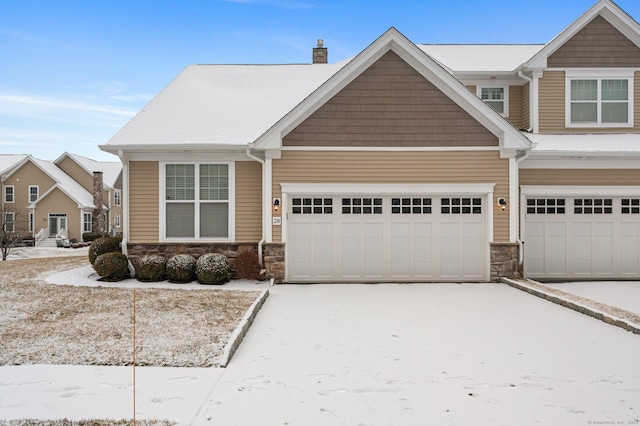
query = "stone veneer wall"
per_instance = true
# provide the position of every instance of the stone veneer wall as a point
(273, 254)
(504, 260)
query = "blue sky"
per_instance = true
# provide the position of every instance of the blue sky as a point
(72, 72)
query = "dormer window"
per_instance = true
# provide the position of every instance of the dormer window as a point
(599, 101)
(496, 98)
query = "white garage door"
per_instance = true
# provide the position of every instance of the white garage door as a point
(386, 238)
(582, 237)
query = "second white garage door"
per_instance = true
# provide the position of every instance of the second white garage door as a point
(402, 237)
(581, 236)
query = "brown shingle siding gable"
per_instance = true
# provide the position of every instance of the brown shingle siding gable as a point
(598, 45)
(390, 104)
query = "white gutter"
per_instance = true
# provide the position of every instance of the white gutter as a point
(264, 225)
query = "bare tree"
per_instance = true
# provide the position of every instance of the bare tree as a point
(9, 235)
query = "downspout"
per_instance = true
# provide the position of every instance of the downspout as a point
(125, 202)
(530, 80)
(261, 242)
(519, 159)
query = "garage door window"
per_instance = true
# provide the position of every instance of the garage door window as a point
(461, 205)
(593, 206)
(411, 205)
(362, 206)
(312, 205)
(630, 206)
(546, 206)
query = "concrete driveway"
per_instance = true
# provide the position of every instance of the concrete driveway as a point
(483, 354)
(432, 354)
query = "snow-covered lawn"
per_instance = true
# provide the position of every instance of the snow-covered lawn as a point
(61, 324)
(622, 294)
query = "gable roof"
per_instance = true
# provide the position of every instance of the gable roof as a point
(110, 169)
(70, 187)
(605, 8)
(220, 105)
(9, 161)
(392, 40)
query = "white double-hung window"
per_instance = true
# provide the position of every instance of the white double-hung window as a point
(196, 201)
(496, 97)
(599, 101)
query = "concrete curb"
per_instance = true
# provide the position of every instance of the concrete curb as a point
(238, 334)
(562, 298)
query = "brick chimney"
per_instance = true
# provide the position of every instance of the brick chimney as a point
(98, 222)
(320, 54)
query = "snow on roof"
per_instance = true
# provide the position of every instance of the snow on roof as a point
(585, 143)
(223, 104)
(66, 183)
(8, 161)
(481, 57)
(110, 169)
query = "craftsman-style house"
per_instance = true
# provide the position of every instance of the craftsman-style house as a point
(408, 162)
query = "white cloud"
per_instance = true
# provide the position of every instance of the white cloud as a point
(9, 102)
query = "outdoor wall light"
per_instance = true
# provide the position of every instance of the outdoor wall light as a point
(276, 204)
(502, 203)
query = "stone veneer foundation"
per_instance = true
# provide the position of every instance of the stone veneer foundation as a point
(505, 260)
(273, 254)
(504, 256)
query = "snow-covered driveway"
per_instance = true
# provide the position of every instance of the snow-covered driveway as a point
(433, 354)
(482, 354)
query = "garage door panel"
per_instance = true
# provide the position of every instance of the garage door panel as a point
(629, 248)
(387, 238)
(591, 237)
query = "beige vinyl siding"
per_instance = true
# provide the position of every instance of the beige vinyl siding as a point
(526, 111)
(390, 104)
(248, 201)
(552, 107)
(598, 45)
(78, 174)
(396, 168)
(590, 177)
(58, 202)
(27, 175)
(144, 201)
(515, 106)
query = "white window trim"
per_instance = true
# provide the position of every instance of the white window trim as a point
(12, 221)
(599, 74)
(116, 221)
(231, 203)
(13, 194)
(31, 222)
(37, 187)
(84, 222)
(117, 197)
(496, 86)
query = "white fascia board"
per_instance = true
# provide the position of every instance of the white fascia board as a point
(386, 189)
(14, 168)
(174, 147)
(608, 10)
(576, 190)
(189, 156)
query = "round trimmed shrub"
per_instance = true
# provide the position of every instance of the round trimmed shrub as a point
(150, 268)
(213, 268)
(181, 268)
(103, 245)
(112, 266)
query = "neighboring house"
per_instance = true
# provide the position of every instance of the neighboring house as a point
(48, 202)
(405, 163)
